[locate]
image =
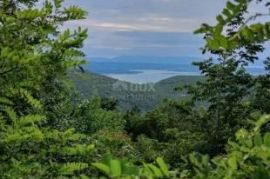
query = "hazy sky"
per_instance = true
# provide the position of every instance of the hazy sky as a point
(145, 27)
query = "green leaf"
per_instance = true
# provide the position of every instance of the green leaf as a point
(163, 166)
(70, 168)
(58, 3)
(102, 167)
(231, 6)
(247, 34)
(11, 113)
(258, 140)
(30, 99)
(220, 19)
(227, 13)
(213, 44)
(218, 31)
(115, 166)
(5, 101)
(266, 139)
(155, 170)
(31, 119)
(232, 162)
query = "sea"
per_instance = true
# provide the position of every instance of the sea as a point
(151, 69)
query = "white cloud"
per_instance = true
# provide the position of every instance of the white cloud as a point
(154, 24)
(138, 27)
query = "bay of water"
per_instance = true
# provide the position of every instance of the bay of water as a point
(151, 71)
(148, 76)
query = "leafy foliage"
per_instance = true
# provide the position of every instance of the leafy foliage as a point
(48, 131)
(247, 157)
(229, 90)
(98, 114)
(122, 169)
(34, 56)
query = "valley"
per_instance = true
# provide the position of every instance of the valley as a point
(128, 95)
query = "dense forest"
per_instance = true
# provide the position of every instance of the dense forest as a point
(49, 130)
(128, 95)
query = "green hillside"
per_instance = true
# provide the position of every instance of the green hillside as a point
(48, 130)
(128, 95)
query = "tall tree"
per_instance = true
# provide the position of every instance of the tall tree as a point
(235, 42)
(35, 54)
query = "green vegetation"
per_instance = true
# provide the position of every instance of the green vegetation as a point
(48, 130)
(144, 97)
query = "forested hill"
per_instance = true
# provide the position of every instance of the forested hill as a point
(47, 130)
(129, 95)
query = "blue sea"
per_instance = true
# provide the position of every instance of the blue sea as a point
(151, 69)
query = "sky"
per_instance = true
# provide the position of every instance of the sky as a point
(145, 27)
